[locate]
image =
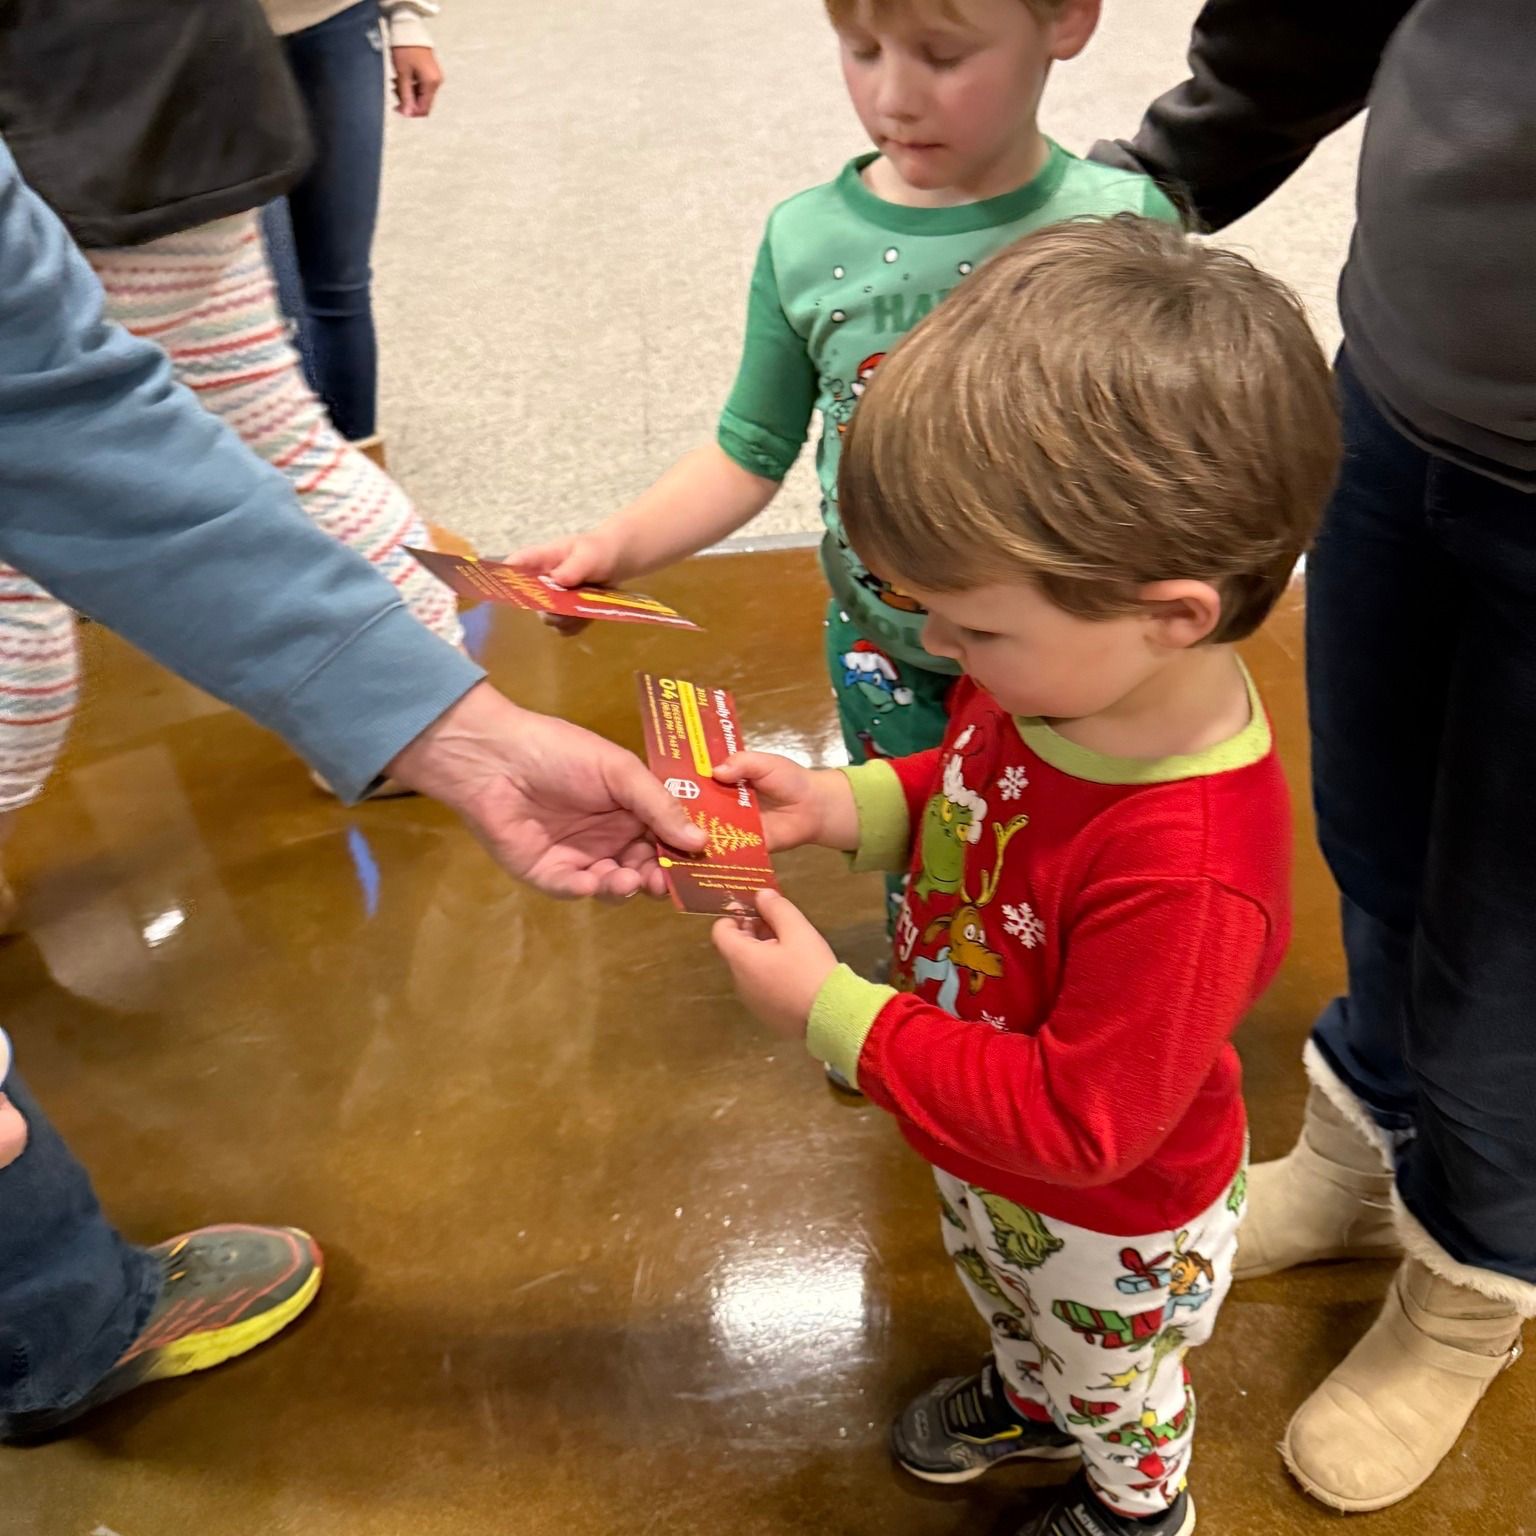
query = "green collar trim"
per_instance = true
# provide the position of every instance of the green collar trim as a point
(1251, 745)
(962, 219)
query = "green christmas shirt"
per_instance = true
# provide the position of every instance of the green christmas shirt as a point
(841, 275)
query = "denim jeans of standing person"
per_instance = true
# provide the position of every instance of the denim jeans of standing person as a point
(1421, 674)
(73, 1294)
(320, 237)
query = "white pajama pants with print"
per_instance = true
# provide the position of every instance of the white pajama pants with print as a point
(1091, 1330)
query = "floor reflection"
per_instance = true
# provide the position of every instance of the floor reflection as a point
(603, 1257)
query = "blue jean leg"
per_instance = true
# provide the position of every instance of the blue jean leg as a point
(333, 211)
(73, 1293)
(1421, 639)
(277, 235)
(1469, 1174)
(1371, 581)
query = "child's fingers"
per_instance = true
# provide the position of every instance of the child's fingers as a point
(580, 568)
(783, 919)
(747, 765)
(564, 624)
(539, 559)
(735, 939)
(727, 938)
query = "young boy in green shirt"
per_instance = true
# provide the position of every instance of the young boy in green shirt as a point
(948, 90)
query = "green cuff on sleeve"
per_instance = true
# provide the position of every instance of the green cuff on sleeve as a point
(885, 828)
(841, 1017)
(755, 448)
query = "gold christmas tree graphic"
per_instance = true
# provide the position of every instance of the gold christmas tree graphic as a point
(727, 837)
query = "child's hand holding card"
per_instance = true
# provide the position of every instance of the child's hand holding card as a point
(779, 963)
(587, 559)
(788, 796)
(688, 729)
(503, 583)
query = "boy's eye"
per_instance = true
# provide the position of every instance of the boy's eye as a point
(944, 60)
(975, 635)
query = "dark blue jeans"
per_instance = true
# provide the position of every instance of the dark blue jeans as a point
(320, 237)
(73, 1294)
(1421, 677)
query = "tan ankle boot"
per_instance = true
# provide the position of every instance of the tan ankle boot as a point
(1386, 1418)
(1329, 1197)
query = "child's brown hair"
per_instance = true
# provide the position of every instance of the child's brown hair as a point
(1103, 405)
(845, 12)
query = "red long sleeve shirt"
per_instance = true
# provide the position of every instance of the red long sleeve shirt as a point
(1081, 937)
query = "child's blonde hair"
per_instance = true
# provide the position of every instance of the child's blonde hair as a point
(1104, 404)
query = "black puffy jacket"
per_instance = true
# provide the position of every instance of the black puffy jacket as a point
(139, 118)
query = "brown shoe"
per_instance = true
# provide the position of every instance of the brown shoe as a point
(1377, 1428)
(446, 542)
(372, 448)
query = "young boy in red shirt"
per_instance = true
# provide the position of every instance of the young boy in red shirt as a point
(1095, 468)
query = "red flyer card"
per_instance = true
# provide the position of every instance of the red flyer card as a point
(688, 729)
(506, 584)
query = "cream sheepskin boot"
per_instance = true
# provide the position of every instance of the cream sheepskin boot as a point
(1377, 1428)
(1329, 1197)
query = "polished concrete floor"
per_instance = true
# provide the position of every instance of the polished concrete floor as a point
(603, 1257)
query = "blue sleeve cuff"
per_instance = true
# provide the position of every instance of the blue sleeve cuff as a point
(372, 697)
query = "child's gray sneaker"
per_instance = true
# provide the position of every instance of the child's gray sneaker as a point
(965, 1425)
(840, 1082)
(1077, 1511)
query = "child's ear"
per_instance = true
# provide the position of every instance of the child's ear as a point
(1182, 613)
(1072, 28)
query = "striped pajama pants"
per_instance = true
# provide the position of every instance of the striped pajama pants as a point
(206, 297)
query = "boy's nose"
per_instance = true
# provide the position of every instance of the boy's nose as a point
(898, 97)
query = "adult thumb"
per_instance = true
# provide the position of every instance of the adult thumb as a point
(636, 790)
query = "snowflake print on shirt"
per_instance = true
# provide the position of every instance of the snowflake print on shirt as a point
(1015, 781)
(1021, 923)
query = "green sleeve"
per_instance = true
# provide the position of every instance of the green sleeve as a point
(1156, 204)
(768, 414)
(841, 1018)
(885, 824)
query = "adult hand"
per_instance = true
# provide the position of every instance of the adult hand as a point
(418, 78)
(555, 805)
(13, 1129)
(779, 963)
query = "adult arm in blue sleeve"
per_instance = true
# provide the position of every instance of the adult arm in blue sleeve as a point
(125, 498)
(121, 495)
